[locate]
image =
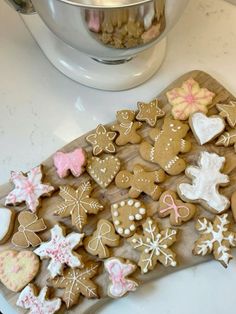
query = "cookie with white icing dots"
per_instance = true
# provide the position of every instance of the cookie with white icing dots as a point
(149, 112)
(7, 218)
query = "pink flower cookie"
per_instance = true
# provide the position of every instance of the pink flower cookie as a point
(59, 250)
(118, 269)
(73, 162)
(28, 188)
(189, 98)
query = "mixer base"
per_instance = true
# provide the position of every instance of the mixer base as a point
(87, 71)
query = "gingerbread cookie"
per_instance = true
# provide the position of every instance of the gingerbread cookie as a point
(206, 128)
(206, 179)
(28, 189)
(60, 250)
(102, 140)
(227, 139)
(188, 99)
(215, 238)
(179, 212)
(17, 269)
(150, 112)
(78, 204)
(228, 111)
(7, 217)
(118, 270)
(37, 303)
(103, 171)
(141, 181)
(72, 162)
(77, 281)
(125, 215)
(103, 236)
(233, 204)
(26, 235)
(154, 246)
(168, 143)
(127, 128)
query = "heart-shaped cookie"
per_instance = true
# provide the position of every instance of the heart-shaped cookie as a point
(103, 171)
(17, 269)
(206, 128)
(7, 218)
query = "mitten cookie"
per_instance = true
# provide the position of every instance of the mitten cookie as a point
(168, 143)
(215, 238)
(179, 212)
(127, 128)
(26, 235)
(154, 246)
(7, 218)
(28, 189)
(227, 139)
(228, 111)
(101, 239)
(125, 216)
(149, 112)
(189, 98)
(206, 179)
(141, 181)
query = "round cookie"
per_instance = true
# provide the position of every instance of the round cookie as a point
(7, 218)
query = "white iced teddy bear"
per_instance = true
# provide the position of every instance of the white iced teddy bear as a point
(206, 179)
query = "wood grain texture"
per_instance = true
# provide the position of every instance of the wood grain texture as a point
(129, 156)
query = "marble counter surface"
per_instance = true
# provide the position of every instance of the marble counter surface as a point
(41, 110)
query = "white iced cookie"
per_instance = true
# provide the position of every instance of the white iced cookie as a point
(206, 128)
(206, 179)
(7, 218)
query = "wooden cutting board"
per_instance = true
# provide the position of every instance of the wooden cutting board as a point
(129, 156)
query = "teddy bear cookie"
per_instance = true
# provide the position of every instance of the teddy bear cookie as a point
(149, 112)
(7, 218)
(228, 111)
(168, 143)
(141, 181)
(127, 128)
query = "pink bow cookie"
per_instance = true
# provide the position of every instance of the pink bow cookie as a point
(73, 161)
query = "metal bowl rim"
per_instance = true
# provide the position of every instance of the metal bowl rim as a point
(105, 4)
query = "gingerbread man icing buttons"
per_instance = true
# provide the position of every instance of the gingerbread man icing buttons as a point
(228, 111)
(102, 238)
(102, 140)
(28, 188)
(73, 162)
(149, 112)
(119, 271)
(127, 128)
(125, 216)
(141, 181)
(189, 98)
(179, 212)
(7, 218)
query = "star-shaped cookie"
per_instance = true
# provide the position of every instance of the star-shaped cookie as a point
(149, 112)
(228, 111)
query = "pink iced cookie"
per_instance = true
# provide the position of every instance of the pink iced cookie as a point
(73, 161)
(28, 188)
(189, 98)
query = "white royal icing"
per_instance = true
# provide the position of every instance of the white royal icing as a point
(5, 218)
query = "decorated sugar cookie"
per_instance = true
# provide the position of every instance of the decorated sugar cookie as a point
(227, 139)
(17, 269)
(206, 179)
(119, 271)
(7, 217)
(215, 238)
(154, 246)
(29, 226)
(28, 188)
(37, 303)
(60, 250)
(149, 112)
(228, 111)
(78, 204)
(72, 162)
(77, 281)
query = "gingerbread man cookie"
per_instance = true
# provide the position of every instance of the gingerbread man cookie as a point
(141, 181)
(228, 111)
(168, 143)
(188, 99)
(179, 212)
(102, 238)
(7, 218)
(150, 112)
(127, 128)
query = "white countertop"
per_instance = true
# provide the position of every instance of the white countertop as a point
(41, 110)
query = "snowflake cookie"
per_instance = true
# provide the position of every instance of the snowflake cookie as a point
(28, 188)
(215, 238)
(118, 270)
(60, 250)
(37, 303)
(206, 179)
(188, 99)
(228, 111)
(77, 281)
(78, 204)
(149, 112)
(154, 246)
